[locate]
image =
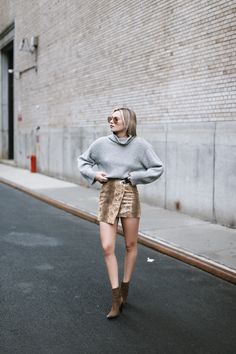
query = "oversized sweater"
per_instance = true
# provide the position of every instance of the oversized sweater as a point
(120, 158)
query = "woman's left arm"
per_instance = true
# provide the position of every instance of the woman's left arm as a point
(152, 168)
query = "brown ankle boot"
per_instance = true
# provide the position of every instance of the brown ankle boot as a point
(116, 304)
(124, 290)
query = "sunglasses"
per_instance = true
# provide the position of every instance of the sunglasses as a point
(115, 120)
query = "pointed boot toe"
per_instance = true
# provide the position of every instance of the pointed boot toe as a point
(117, 303)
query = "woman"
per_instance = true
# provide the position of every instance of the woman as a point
(123, 160)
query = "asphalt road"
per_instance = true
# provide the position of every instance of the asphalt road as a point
(54, 292)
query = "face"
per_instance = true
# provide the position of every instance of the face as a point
(117, 124)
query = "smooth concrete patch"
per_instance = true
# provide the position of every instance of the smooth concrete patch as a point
(55, 152)
(154, 217)
(72, 194)
(77, 197)
(225, 173)
(154, 193)
(208, 240)
(30, 180)
(189, 168)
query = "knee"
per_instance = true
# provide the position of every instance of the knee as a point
(131, 247)
(107, 250)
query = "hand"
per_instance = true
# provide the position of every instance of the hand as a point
(101, 177)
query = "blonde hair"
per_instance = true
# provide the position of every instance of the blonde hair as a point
(129, 118)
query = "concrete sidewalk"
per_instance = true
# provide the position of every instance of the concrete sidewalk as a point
(208, 246)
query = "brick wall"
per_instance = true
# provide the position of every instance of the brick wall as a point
(172, 61)
(169, 60)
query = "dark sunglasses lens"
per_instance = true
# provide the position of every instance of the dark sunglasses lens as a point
(115, 119)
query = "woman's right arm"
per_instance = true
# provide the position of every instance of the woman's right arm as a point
(86, 162)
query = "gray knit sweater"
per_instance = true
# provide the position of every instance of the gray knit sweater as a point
(120, 158)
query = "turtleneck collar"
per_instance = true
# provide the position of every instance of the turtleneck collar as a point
(121, 141)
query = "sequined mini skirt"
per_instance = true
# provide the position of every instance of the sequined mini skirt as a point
(118, 200)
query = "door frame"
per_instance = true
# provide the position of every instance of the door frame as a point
(7, 121)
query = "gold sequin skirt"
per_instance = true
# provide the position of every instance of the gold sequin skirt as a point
(118, 200)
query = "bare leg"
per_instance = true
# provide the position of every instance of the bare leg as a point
(108, 240)
(130, 228)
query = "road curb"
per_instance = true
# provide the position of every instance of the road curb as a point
(200, 262)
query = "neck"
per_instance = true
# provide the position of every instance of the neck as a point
(121, 135)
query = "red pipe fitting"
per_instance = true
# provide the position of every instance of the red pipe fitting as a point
(33, 165)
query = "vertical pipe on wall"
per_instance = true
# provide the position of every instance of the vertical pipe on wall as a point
(213, 174)
(165, 166)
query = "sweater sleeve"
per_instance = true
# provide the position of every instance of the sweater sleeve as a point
(152, 168)
(86, 163)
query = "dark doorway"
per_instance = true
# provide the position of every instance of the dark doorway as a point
(11, 104)
(9, 59)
